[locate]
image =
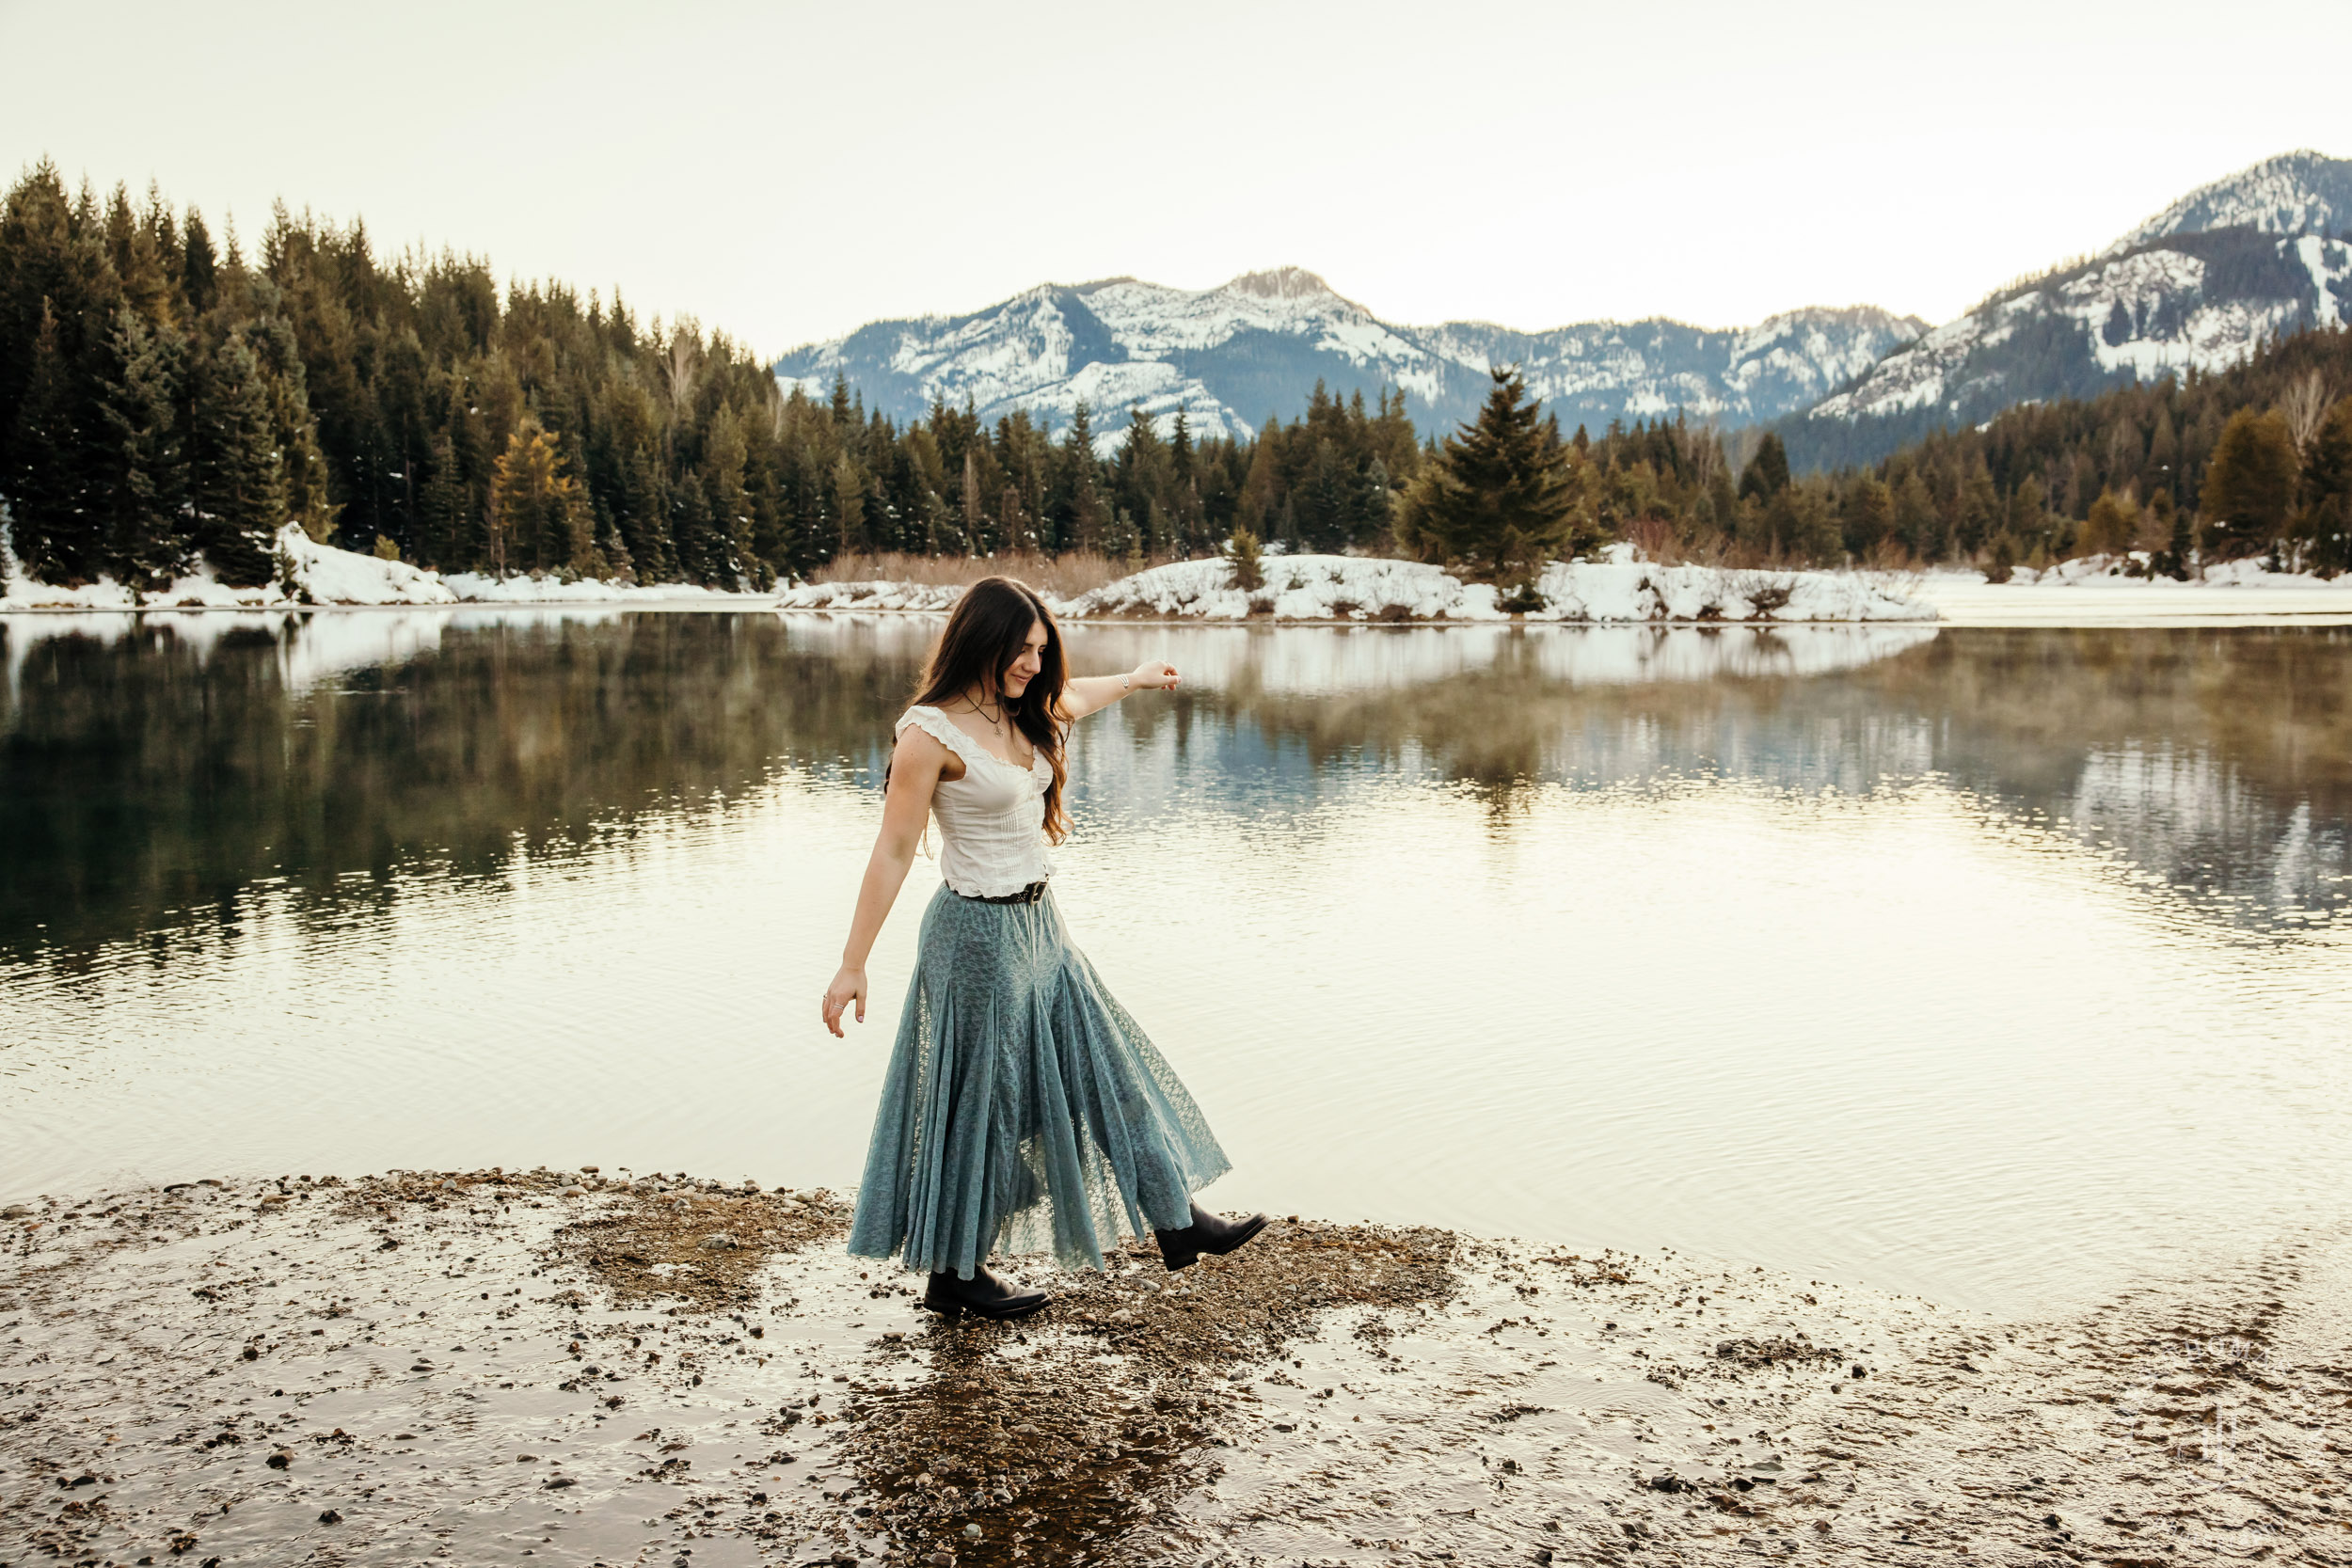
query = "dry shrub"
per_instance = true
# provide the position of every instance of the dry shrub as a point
(1064, 576)
(1657, 538)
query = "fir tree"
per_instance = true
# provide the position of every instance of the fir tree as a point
(198, 265)
(239, 484)
(441, 505)
(147, 496)
(2111, 526)
(2250, 482)
(59, 535)
(723, 456)
(1499, 497)
(1248, 569)
(1767, 473)
(538, 516)
(1090, 516)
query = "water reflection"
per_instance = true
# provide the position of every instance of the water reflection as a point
(1967, 960)
(165, 763)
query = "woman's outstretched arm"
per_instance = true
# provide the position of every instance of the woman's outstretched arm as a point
(915, 766)
(1086, 694)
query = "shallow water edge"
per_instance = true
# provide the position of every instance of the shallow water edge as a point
(488, 1366)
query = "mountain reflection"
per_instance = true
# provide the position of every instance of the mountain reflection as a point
(155, 767)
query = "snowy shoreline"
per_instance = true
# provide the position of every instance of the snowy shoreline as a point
(320, 576)
(1618, 588)
(1358, 589)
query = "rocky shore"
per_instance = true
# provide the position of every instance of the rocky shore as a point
(590, 1368)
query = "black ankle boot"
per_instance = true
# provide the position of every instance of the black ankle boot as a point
(1206, 1233)
(983, 1295)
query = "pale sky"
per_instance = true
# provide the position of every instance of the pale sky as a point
(790, 171)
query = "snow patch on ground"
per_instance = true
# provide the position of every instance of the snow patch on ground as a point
(315, 574)
(2116, 572)
(1617, 590)
(476, 588)
(876, 594)
(1366, 588)
(2099, 591)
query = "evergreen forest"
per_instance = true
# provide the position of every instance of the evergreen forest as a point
(163, 393)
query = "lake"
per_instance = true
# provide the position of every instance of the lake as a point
(2004, 966)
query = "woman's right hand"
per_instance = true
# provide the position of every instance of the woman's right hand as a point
(848, 986)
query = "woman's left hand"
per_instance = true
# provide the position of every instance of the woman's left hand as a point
(1154, 676)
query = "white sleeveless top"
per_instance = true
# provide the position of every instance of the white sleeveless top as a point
(991, 821)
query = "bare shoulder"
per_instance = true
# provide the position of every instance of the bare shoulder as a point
(922, 758)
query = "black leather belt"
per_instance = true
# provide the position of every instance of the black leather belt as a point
(1029, 894)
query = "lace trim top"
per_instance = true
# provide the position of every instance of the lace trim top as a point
(991, 821)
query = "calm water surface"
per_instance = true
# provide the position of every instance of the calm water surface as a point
(2006, 966)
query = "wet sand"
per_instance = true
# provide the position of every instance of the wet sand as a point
(573, 1367)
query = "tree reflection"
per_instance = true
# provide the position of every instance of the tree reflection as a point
(150, 769)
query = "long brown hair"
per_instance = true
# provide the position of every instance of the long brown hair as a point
(985, 633)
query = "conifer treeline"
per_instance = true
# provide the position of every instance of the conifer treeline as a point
(161, 394)
(2256, 459)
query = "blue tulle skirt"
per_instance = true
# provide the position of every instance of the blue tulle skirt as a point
(1024, 1109)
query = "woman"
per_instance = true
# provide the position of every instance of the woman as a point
(1023, 1106)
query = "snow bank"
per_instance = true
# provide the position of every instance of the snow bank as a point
(2100, 591)
(1618, 588)
(315, 574)
(2116, 572)
(477, 588)
(330, 575)
(877, 596)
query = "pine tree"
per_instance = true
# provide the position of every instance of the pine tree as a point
(58, 533)
(198, 265)
(2249, 483)
(642, 515)
(2111, 525)
(303, 465)
(849, 506)
(724, 454)
(537, 513)
(1767, 473)
(1868, 516)
(1249, 568)
(147, 496)
(1089, 519)
(240, 491)
(1499, 497)
(441, 504)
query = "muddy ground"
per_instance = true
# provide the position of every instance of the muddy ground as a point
(581, 1367)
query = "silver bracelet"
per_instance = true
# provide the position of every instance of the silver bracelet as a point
(1126, 683)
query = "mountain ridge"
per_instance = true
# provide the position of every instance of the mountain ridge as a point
(2257, 253)
(1250, 348)
(2239, 260)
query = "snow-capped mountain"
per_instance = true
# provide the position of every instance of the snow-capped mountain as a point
(2295, 193)
(1234, 355)
(2202, 283)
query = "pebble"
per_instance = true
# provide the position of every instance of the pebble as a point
(15, 1211)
